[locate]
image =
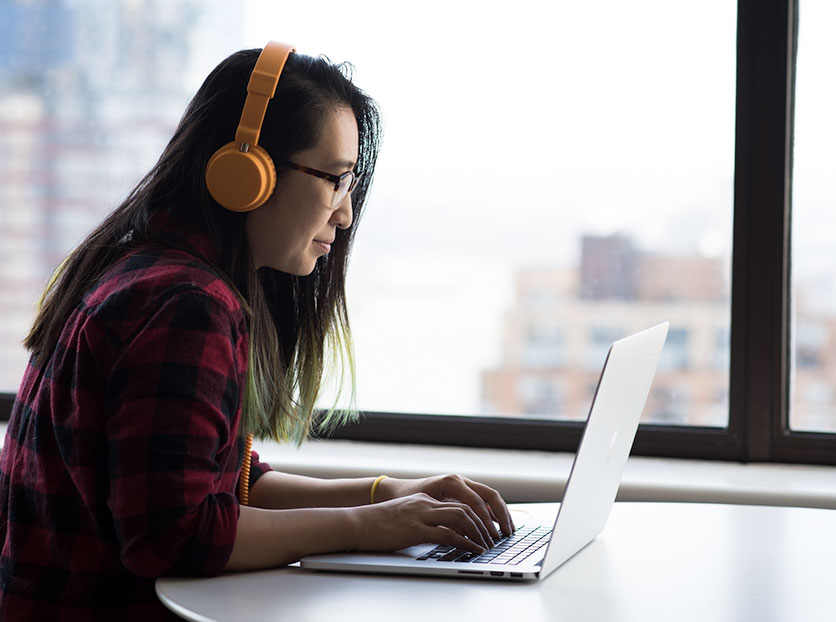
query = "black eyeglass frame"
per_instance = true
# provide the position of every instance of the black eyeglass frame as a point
(337, 180)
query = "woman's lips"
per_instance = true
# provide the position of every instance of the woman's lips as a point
(326, 246)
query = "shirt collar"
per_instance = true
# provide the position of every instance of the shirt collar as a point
(180, 232)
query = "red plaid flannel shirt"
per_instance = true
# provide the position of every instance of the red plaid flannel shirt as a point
(122, 455)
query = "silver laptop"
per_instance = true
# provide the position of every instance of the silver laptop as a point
(536, 550)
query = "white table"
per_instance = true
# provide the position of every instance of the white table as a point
(654, 561)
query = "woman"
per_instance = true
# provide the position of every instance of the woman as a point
(177, 328)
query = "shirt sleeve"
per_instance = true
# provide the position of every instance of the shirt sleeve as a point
(174, 401)
(257, 469)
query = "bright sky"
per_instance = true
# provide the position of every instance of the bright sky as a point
(558, 85)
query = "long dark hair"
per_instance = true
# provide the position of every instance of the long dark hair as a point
(297, 324)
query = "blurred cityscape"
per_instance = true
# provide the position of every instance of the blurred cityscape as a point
(90, 92)
(564, 320)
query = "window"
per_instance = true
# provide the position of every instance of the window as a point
(553, 177)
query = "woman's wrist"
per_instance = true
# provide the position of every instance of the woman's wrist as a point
(354, 528)
(390, 488)
(375, 485)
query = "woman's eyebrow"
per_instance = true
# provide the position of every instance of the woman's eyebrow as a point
(345, 164)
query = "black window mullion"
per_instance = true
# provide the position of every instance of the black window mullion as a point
(759, 387)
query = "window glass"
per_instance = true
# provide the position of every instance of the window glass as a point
(554, 175)
(813, 331)
(570, 183)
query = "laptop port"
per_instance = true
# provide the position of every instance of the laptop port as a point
(497, 573)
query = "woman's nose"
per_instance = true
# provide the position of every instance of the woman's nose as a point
(344, 214)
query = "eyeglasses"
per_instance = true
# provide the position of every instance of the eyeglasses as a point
(343, 184)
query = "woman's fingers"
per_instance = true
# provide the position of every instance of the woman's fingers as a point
(478, 505)
(461, 519)
(485, 501)
(496, 505)
(442, 535)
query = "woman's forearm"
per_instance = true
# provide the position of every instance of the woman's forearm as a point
(270, 538)
(275, 490)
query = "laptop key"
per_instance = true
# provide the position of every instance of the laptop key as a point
(452, 556)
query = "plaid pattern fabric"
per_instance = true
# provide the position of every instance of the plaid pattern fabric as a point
(122, 455)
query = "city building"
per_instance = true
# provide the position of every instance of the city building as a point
(563, 320)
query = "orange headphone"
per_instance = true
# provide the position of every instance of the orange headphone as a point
(241, 175)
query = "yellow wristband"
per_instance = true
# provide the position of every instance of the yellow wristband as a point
(375, 484)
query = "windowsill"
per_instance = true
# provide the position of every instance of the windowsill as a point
(532, 476)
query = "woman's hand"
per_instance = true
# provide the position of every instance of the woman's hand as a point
(420, 519)
(485, 502)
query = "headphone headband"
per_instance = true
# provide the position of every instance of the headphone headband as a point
(260, 90)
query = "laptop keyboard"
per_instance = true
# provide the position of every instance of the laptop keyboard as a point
(510, 550)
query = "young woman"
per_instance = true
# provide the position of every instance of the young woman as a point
(177, 328)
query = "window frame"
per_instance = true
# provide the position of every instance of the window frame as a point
(758, 425)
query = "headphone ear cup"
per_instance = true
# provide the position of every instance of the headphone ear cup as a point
(240, 180)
